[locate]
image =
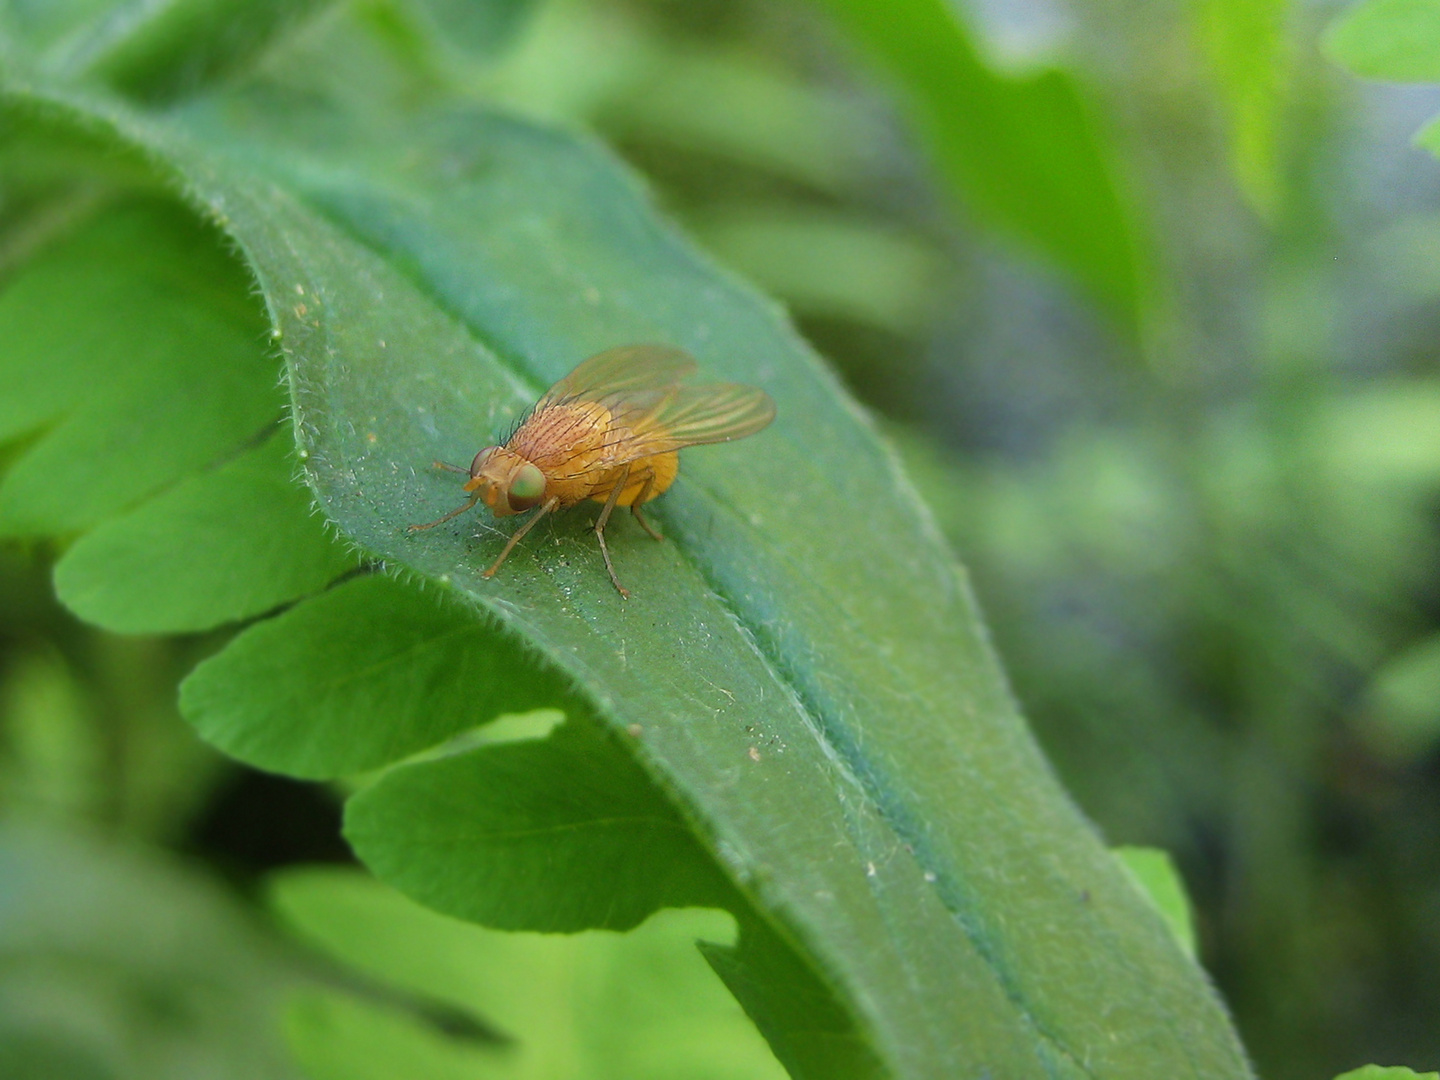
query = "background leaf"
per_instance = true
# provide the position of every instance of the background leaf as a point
(1155, 873)
(1389, 39)
(594, 1006)
(1397, 40)
(480, 27)
(1402, 707)
(160, 51)
(1245, 41)
(119, 963)
(1026, 150)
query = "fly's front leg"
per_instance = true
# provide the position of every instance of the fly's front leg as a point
(642, 497)
(452, 514)
(600, 529)
(545, 508)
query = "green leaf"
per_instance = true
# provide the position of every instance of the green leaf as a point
(798, 1016)
(36, 29)
(1026, 150)
(478, 27)
(136, 378)
(121, 963)
(801, 667)
(362, 675)
(167, 50)
(1388, 39)
(1386, 1072)
(1397, 40)
(831, 686)
(219, 547)
(337, 1037)
(1155, 874)
(1246, 45)
(1401, 716)
(832, 265)
(727, 105)
(53, 758)
(593, 1006)
(560, 834)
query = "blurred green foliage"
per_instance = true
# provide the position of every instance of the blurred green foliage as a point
(1207, 548)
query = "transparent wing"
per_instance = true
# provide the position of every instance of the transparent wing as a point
(620, 372)
(692, 415)
(650, 412)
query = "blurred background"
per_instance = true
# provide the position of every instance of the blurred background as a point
(1193, 465)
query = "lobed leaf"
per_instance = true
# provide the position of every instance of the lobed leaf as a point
(799, 1017)
(128, 380)
(219, 547)
(560, 834)
(365, 674)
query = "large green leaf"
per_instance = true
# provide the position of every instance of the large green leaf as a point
(801, 667)
(1026, 150)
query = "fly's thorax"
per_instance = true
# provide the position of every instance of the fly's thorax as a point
(568, 434)
(508, 483)
(570, 442)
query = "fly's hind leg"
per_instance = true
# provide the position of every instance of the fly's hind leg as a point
(635, 506)
(600, 530)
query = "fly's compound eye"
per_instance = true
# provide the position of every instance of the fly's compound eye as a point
(527, 488)
(479, 462)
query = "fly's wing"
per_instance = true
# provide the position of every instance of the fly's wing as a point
(620, 372)
(649, 412)
(659, 422)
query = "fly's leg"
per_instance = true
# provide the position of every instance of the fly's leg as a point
(441, 520)
(600, 530)
(642, 497)
(453, 513)
(545, 508)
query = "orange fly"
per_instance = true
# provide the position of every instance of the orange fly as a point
(609, 431)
